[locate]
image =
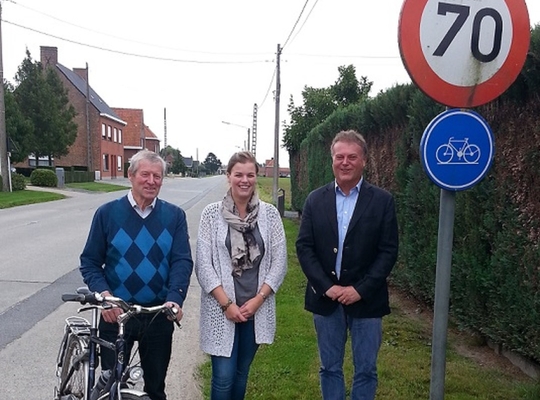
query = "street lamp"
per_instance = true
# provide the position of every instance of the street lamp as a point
(246, 144)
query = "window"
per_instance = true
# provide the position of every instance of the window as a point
(105, 162)
(119, 163)
(103, 131)
(115, 139)
(109, 129)
(119, 135)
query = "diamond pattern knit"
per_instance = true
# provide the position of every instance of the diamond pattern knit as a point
(133, 254)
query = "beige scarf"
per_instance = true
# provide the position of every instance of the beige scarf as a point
(244, 248)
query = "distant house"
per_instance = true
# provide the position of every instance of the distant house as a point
(189, 162)
(137, 135)
(99, 144)
(268, 170)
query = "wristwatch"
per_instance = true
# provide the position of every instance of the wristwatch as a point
(225, 306)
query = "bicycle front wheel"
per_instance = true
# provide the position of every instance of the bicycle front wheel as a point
(73, 376)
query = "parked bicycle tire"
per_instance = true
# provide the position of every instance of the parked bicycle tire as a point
(74, 371)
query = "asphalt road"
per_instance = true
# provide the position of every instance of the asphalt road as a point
(39, 258)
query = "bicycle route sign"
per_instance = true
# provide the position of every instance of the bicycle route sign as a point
(457, 149)
(464, 53)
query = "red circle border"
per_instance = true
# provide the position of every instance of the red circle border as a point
(458, 96)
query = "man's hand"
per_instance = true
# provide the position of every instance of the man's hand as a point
(110, 315)
(334, 292)
(348, 296)
(179, 312)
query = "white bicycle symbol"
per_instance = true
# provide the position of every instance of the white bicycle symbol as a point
(469, 153)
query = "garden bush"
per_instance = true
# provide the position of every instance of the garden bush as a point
(43, 177)
(18, 182)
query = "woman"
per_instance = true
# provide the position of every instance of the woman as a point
(241, 262)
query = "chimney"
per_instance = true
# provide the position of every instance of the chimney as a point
(49, 56)
(82, 72)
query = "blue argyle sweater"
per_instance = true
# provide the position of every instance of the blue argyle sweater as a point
(146, 261)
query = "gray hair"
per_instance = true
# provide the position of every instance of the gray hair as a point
(147, 155)
(350, 136)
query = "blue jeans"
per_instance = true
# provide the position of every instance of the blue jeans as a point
(366, 337)
(230, 374)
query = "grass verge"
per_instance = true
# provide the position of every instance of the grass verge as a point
(266, 187)
(96, 187)
(288, 369)
(23, 197)
(29, 196)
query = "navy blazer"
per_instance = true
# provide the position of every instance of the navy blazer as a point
(370, 250)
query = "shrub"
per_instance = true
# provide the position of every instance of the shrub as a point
(18, 182)
(43, 177)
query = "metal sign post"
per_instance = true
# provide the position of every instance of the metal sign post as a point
(461, 53)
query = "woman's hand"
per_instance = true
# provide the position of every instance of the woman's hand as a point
(250, 307)
(233, 313)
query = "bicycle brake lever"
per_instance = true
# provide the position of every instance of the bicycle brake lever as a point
(171, 313)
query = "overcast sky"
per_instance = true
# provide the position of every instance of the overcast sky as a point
(209, 61)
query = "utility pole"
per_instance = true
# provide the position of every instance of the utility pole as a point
(165, 127)
(5, 170)
(254, 132)
(276, 130)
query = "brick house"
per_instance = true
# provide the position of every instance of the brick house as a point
(137, 135)
(268, 170)
(99, 144)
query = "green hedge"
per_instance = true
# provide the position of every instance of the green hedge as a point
(18, 182)
(43, 177)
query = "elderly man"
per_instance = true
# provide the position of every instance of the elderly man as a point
(138, 250)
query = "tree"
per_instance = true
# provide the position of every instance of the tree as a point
(212, 163)
(43, 102)
(18, 127)
(318, 104)
(174, 157)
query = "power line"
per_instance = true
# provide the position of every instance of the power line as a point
(305, 20)
(268, 90)
(296, 23)
(133, 54)
(130, 40)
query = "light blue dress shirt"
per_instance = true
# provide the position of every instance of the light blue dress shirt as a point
(344, 207)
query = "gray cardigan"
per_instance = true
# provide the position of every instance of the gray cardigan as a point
(213, 268)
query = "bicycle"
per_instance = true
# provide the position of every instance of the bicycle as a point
(77, 359)
(470, 153)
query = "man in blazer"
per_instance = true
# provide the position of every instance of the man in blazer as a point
(347, 245)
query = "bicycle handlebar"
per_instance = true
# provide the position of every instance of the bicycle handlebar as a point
(84, 296)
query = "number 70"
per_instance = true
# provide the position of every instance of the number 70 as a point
(463, 13)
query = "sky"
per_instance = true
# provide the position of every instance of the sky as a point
(207, 62)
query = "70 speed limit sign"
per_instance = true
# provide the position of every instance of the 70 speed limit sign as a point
(464, 53)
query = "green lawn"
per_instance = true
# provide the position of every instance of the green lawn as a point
(288, 369)
(29, 196)
(23, 197)
(96, 186)
(266, 186)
